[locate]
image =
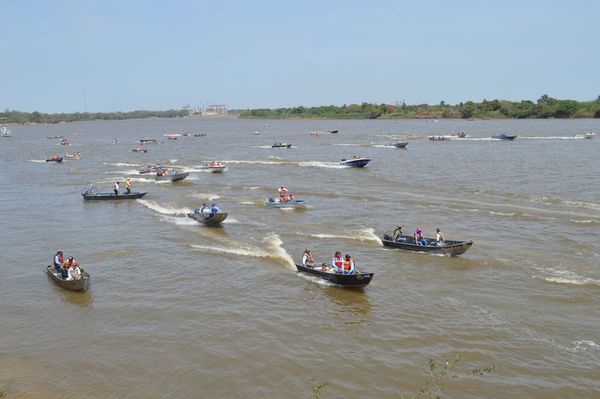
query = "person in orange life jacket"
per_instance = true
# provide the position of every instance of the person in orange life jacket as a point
(419, 239)
(65, 269)
(337, 262)
(348, 265)
(282, 191)
(58, 260)
(307, 259)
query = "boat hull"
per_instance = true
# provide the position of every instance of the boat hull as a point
(450, 248)
(83, 284)
(273, 203)
(504, 137)
(111, 196)
(174, 177)
(401, 144)
(59, 160)
(214, 219)
(357, 280)
(356, 163)
(281, 146)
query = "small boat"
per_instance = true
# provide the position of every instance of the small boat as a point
(82, 284)
(440, 138)
(209, 219)
(356, 162)
(214, 167)
(139, 149)
(171, 137)
(356, 280)
(462, 135)
(451, 248)
(173, 175)
(148, 141)
(589, 135)
(277, 203)
(115, 140)
(54, 137)
(281, 145)
(400, 144)
(334, 131)
(64, 142)
(91, 196)
(55, 158)
(256, 132)
(150, 169)
(73, 155)
(505, 137)
(5, 132)
(316, 134)
(200, 135)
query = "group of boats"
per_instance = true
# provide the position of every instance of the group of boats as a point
(5, 132)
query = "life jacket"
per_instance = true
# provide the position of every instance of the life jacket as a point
(309, 259)
(60, 259)
(347, 265)
(338, 261)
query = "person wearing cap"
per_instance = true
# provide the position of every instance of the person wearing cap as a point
(398, 235)
(307, 259)
(58, 260)
(419, 239)
(348, 265)
(214, 209)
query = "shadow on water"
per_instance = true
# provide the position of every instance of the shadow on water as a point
(81, 299)
(350, 300)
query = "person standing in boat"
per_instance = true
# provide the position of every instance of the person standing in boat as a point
(128, 185)
(337, 262)
(307, 259)
(116, 188)
(58, 260)
(398, 234)
(439, 238)
(348, 265)
(282, 191)
(214, 209)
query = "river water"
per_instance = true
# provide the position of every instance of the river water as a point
(179, 310)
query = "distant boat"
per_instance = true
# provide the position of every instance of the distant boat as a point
(315, 133)
(355, 280)
(281, 145)
(505, 137)
(148, 141)
(209, 219)
(115, 140)
(277, 203)
(214, 167)
(82, 284)
(139, 149)
(170, 175)
(440, 138)
(589, 135)
(400, 144)
(73, 155)
(356, 162)
(461, 135)
(334, 131)
(200, 135)
(89, 196)
(256, 132)
(55, 158)
(5, 132)
(150, 169)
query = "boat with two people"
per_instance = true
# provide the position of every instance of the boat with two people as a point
(55, 158)
(73, 155)
(440, 138)
(588, 135)
(148, 141)
(200, 135)
(356, 162)
(68, 275)
(170, 175)
(153, 168)
(281, 145)
(64, 141)
(400, 144)
(505, 137)
(208, 216)
(418, 243)
(139, 149)
(214, 167)
(90, 194)
(342, 271)
(285, 200)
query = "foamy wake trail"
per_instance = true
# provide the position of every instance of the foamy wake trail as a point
(318, 164)
(363, 235)
(145, 180)
(565, 277)
(383, 146)
(272, 250)
(178, 220)
(165, 210)
(586, 221)
(316, 280)
(124, 172)
(206, 196)
(37, 160)
(121, 164)
(349, 145)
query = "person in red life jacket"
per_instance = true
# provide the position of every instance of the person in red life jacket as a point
(282, 191)
(348, 265)
(68, 264)
(58, 260)
(419, 239)
(337, 262)
(71, 270)
(307, 259)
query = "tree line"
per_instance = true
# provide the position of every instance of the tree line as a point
(544, 107)
(12, 116)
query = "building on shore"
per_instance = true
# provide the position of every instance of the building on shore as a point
(208, 110)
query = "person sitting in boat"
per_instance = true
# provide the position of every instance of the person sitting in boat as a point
(128, 185)
(214, 209)
(419, 239)
(116, 188)
(398, 234)
(58, 260)
(202, 210)
(74, 273)
(66, 267)
(282, 191)
(348, 265)
(307, 259)
(337, 262)
(439, 238)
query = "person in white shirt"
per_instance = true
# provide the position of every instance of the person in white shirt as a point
(307, 259)
(439, 238)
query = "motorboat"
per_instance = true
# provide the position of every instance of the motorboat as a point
(81, 284)
(73, 155)
(150, 169)
(589, 135)
(139, 149)
(400, 144)
(440, 138)
(171, 175)
(451, 248)
(55, 158)
(209, 219)
(214, 167)
(354, 280)
(281, 145)
(290, 203)
(505, 137)
(148, 141)
(5, 132)
(355, 162)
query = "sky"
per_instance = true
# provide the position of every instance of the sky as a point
(123, 55)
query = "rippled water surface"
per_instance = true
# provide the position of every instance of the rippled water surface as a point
(179, 310)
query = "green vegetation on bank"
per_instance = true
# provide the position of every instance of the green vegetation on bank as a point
(11, 116)
(545, 107)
